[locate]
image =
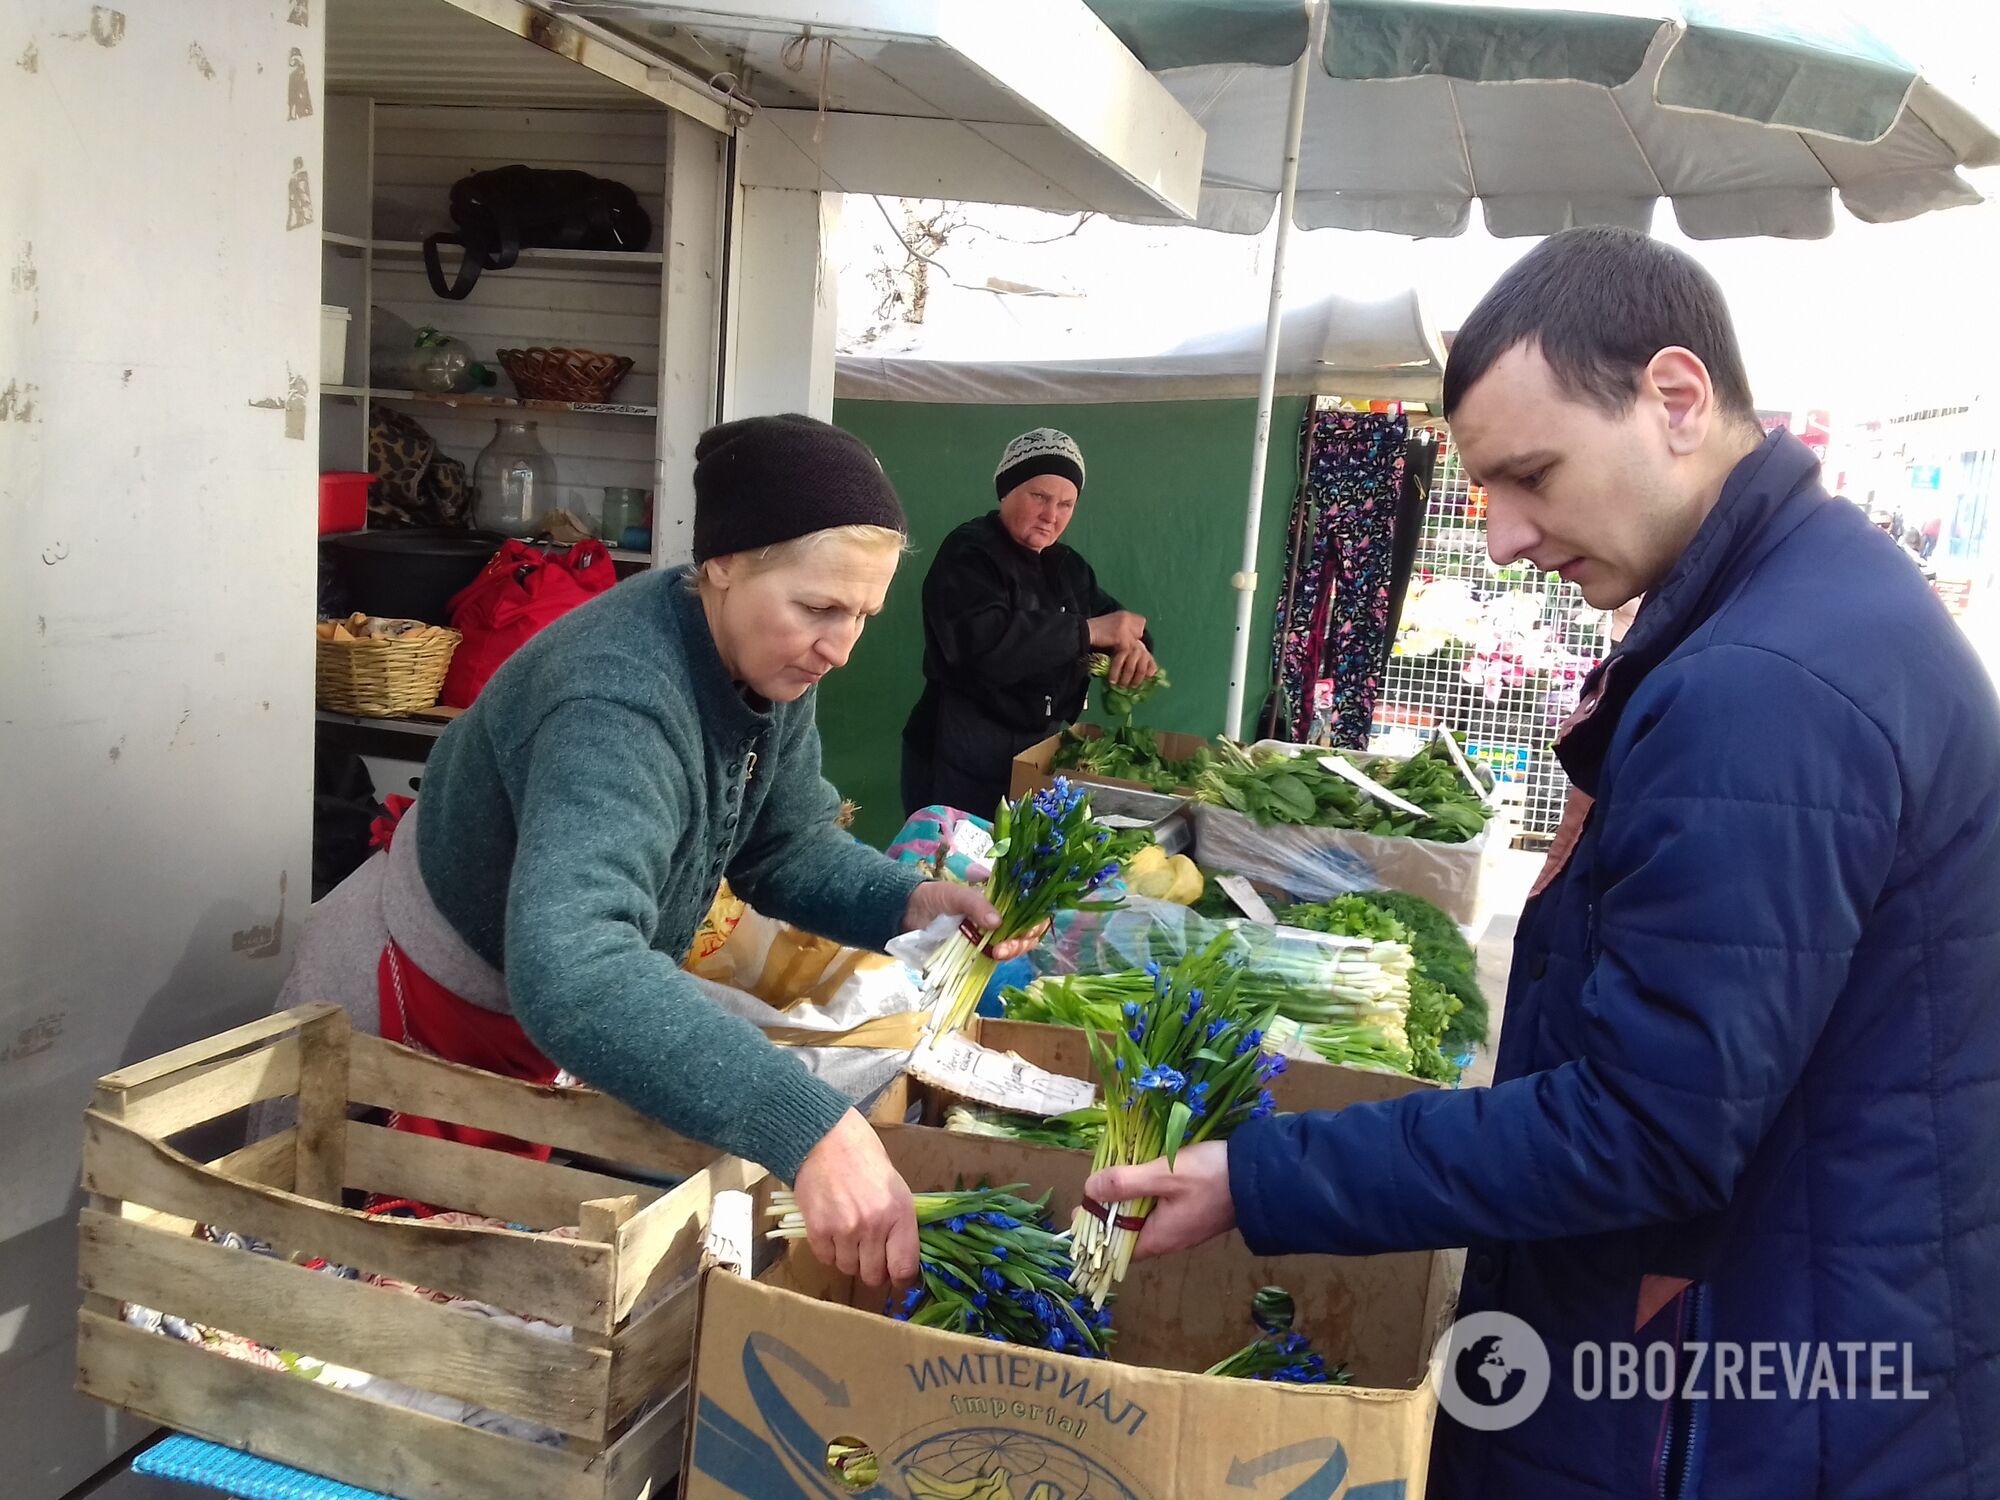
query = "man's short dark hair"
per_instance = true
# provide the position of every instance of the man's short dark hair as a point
(1601, 303)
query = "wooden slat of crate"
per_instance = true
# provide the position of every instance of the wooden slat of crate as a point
(318, 1428)
(663, 1244)
(208, 1092)
(446, 1174)
(393, 1334)
(655, 1353)
(268, 1162)
(640, 1463)
(320, 1161)
(563, 1281)
(139, 1080)
(392, 1077)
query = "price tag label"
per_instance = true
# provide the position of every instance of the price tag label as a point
(1244, 894)
(1371, 786)
(728, 1240)
(1464, 766)
(958, 1063)
(974, 842)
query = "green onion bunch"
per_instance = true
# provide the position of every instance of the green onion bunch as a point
(1076, 1131)
(1186, 1066)
(1349, 997)
(991, 1266)
(1049, 855)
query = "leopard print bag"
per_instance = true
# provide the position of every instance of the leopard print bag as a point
(416, 482)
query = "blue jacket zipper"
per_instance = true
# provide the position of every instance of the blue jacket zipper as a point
(1677, 1449)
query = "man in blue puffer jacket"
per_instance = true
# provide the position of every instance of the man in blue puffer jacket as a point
(1748, 1087)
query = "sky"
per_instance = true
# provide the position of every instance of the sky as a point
(1876, 318)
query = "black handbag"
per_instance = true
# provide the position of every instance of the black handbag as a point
(501, 212)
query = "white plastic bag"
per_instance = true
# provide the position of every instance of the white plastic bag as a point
(852, 1017)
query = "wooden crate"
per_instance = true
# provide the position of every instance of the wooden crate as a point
(638, 1253)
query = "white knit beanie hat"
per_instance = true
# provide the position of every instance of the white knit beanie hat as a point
(1033, 454)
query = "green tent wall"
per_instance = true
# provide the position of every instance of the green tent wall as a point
(1161, 521)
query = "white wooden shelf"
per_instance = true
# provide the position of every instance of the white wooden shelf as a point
(426, 728)
(647, 263)
(480, 401)
(630, 555)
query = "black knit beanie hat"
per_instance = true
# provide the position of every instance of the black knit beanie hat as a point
(765, 480)
(1033, 454)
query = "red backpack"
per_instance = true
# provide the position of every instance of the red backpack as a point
(523, 587)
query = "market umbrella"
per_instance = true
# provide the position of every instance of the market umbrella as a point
(1748, 115)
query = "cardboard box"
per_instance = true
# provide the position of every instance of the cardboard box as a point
(1317, 864)
(1303, 1086)
(1034, 766)
(800, 1356)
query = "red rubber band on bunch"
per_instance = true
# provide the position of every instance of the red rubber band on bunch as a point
(1096, 1210)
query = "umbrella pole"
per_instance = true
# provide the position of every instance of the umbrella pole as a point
(1245, 580)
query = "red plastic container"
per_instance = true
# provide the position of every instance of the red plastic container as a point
(343, 502)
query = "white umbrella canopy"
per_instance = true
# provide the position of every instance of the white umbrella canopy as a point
(1747, 115)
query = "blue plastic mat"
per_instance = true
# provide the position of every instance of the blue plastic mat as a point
(241, 1476)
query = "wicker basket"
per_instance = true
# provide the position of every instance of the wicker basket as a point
(564, 374)
(382, 677)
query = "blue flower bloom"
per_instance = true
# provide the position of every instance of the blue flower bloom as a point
(956, 1225)
(913, 1299)
(1265, 1105)
(1003, 1221)
(992, 1280)
(1166, 1080)
(1131, 1008)
(1269, 1066)
(1138, 1031)
(1216, 1027)
(1197, 1099)
(1251, 1038)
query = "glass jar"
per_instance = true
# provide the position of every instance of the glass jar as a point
(624, 510)
(514, 480)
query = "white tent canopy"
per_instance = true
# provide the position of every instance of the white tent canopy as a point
(1332, 345)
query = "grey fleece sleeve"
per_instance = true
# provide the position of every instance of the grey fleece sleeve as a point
(601, 815)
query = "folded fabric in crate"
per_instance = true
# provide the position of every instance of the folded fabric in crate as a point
(358, 1382)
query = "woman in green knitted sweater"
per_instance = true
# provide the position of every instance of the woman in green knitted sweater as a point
(532, 912)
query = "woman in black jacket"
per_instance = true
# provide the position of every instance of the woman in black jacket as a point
(1011, 619)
